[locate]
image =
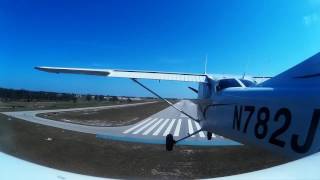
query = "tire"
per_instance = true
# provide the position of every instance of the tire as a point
(169, 142)
(209, 135)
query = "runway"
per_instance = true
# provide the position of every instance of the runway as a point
(151, 130)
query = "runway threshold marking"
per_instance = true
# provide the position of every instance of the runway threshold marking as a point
(201, 133)
(177, 131)
(169, 127)
(190, 128)
(156, 133)
(136, 126)
(152, 127)
(145, 126)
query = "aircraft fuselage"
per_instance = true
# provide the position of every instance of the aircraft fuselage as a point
(279, 119)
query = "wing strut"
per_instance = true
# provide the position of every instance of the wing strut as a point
(167, 101)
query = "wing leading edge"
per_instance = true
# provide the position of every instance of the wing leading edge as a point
(133, 74)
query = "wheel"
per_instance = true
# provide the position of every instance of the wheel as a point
(169, 142)
(209, 135)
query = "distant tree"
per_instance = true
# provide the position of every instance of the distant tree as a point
(29, 96)
(114, 98)
(74, 99)
(88, 97)
(101, 98)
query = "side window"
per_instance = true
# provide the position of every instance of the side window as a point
(247, 83)
(226, 83)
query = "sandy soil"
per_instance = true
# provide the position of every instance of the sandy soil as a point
(108, 117)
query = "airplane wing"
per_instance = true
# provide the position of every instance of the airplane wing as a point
(133, 74)
(153, 75)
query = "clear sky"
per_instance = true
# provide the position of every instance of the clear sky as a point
(256, 37)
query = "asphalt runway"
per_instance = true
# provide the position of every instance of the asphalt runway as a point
(151, 130)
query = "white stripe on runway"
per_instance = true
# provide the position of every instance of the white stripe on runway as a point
(136, 126)
(145, 126)
(201, 134)
(152, 127)
(161, 127)
(190, 127)
(177, 131)
(169, 127)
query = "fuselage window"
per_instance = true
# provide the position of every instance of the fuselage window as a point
(247, 83)
(226, 83)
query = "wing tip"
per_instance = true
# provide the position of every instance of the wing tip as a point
(45, 69)
(38, 68)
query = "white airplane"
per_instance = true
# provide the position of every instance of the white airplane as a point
(281, 113)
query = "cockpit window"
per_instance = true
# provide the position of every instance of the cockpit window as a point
(247, 83)
(226, 83)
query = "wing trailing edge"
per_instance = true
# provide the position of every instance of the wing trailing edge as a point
(132, 74)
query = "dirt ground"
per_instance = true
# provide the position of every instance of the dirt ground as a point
(108, 117)
(84, 154)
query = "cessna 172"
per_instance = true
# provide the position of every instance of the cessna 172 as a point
(281, 113)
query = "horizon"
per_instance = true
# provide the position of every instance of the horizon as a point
(56, 92)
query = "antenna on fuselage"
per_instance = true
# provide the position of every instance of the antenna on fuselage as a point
(243, 75)
(246, 69)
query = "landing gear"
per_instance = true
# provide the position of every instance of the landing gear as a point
(209, 135)
(170, 142)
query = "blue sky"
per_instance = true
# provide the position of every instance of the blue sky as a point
(259, 37)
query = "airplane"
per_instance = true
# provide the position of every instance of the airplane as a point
(280, 113)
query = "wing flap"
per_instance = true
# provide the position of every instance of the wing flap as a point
(159, 76)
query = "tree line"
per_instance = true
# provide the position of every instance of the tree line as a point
(26, 95)
(29, 96)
